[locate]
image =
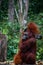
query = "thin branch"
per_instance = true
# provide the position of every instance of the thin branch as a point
(16, 14)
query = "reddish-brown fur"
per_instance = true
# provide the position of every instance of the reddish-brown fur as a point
(27, 48)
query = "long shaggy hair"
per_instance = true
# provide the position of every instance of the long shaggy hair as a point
(27, 45)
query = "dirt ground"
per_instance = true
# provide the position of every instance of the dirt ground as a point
(11, 63)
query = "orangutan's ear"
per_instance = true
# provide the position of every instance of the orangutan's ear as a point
(39, 36)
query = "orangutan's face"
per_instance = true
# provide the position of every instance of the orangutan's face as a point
(26, 36)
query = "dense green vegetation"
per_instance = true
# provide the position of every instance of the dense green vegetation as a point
(11, 29)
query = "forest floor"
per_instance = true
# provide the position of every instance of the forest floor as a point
(11, 63)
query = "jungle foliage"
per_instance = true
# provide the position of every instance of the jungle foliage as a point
(11, 29)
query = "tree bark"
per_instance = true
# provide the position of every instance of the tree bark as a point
(3, 47)
(26, 3)
(0, 2)
(23, 13)
(11, 11)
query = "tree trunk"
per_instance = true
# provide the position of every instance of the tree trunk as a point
(23, 14)
(3, 47)
(11, 11)
(0, 2)
(26, 3)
